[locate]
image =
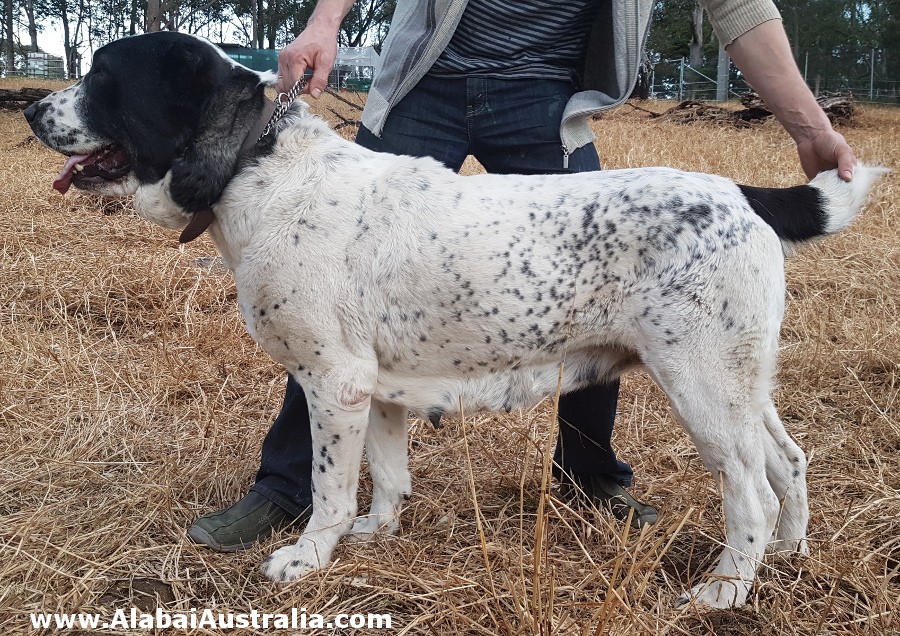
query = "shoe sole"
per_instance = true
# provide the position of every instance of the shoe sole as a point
(201, 537)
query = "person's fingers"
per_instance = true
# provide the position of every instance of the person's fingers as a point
(846, 163)
(291, 67)
(318, 81)
(826, 152)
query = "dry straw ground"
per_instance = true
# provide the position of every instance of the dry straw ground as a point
(132, 401)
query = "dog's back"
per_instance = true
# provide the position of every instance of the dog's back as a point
(466, 303)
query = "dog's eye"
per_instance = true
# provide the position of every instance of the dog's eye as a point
(101, 86)
(101, 77)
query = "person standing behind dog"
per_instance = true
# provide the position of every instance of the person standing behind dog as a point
(513, 83)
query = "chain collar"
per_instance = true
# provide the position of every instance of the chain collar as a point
(204, 218)
(283, 101)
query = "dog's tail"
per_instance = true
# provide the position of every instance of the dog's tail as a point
(826, 205)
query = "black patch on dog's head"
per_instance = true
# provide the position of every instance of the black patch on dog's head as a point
(173, 102)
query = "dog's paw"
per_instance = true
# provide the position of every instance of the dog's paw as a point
(718, 594)
(289, 564)
(365, 527)
(781, 546)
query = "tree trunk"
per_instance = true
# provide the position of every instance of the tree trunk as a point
(32, 25)
(153, 20)
(67, 40)
(696, 48)
(73, 58)
(8, 20)
(169, 16)
(132, 28)
(271, 22)
(260, 24)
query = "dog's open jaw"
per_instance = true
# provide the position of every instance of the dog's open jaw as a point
(98, 170)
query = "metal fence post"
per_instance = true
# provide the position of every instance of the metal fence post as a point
(722, 76)
(872, 76)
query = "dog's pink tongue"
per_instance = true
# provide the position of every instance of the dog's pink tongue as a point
(64, 180)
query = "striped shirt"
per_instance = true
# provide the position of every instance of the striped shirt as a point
(520, 39)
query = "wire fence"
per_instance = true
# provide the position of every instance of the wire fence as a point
(667, 79)
(676, 79)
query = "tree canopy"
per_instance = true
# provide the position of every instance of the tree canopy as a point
(839, 45)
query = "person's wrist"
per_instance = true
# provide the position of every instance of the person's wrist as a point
(806, 122)
(325, 21)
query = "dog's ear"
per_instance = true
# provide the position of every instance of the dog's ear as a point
(203, 170)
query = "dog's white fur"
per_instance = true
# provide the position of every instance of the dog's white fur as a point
(387, 283)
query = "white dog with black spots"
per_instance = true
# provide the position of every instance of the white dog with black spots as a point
(387, 284)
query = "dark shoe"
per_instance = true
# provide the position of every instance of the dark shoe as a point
(253, 518)
(602, 491)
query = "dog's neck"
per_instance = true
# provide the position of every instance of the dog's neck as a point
(255, 133)
(201, 220)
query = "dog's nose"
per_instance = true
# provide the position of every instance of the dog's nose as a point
(30, 112)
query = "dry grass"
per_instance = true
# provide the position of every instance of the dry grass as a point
(132, 401)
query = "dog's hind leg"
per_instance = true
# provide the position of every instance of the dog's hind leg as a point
(718, 407)
(339, 404)
(786, 471)
(388, 465)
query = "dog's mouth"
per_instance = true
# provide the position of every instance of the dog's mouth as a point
(110, 163)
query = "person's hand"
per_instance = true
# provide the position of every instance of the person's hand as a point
(315, 48)
(825, 151)
(764, 56)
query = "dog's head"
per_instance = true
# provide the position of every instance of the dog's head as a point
(164, 111)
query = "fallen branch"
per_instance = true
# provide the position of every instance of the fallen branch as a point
(22, 97)
(344, 120)
(690, 111)
(643, 110)
(343, 99)
(839, 108)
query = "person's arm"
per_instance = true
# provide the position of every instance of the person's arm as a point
(763, 55)
(315, 48)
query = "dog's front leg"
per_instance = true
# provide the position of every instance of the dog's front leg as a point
(388, 465)
(339, 415)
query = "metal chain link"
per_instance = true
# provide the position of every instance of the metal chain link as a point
(283, 101)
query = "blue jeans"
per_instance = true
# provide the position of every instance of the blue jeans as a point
(511, 127)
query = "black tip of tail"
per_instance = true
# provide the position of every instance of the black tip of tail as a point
(796, 214)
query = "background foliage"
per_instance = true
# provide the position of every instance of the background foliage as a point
(839, 44)
(836, 43)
